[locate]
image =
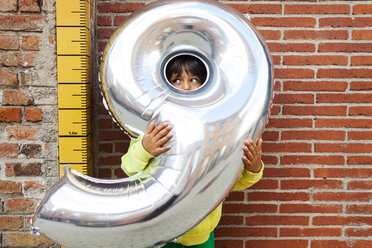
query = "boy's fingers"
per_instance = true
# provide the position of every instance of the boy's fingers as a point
(251, 147)
(259, 145)
(159, 128)
(165, 139)
(151, 127)
(163, 149)
(247, 153)
(163, 132)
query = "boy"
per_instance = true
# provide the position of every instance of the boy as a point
(185, 72)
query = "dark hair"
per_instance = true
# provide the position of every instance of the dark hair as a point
(190, 63)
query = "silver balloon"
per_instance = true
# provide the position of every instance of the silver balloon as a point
(209, 127)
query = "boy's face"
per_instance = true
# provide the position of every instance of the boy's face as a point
(185, 81)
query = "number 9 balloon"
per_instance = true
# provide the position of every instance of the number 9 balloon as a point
(209, 126)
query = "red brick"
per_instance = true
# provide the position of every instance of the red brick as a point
(341, 220)
(315, 110)
(235, 196)
(313, 135)
(270, 159)
(312, 159)
(10, 187)
(257, 8)
(344, 73)
(277, 243)
(284, 21)
(361, 85)
(118, 20)
(310, 208)
(19, 170)
(101, 46)
(359, 160)
(278, 196)
(25, 239)
(341, 244)
(342, 173)
(121, 147)
(345, 47)
(294, 73)
(348, 123)
(22, 22)
(31, 150)
(105, 33)
(8, 78)
(10, 115)
(291, 47)
(361, 60)
(9, 42)
(245, 232)
(359, 184)
(270, 136)
(345, 22)
(344, 98)
(231, 220)
(229, 243)
(105, 147)
(16, 97)
(277, 220)
(313, 184)
(8, 5)
(109, 160)
(287, 172)
(118, 7)
(293, 98)
(119, 173)
(286, 147)
(317, 9)
(22, 132)
(22, 205)
(362, 110)
(105, 123)
(343, 147)
(310, 232)
(360, 9)
(316, 35)
(104, 20)
(265, 184)
(32, 185)
(362, 35)
(315, 86)
(359, 209)
(33, 114)
(30, 43)
(270, 34)
(112, 135)
(18, 59)
(342, 196)
(315, 60)
(249, 208)
(9, 150)
(12, 223)
(29, 5)
(104, 173)
(359, 232)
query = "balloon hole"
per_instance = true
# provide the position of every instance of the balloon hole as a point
(186, 72)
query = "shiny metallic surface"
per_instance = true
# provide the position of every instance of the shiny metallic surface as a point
(209, 127)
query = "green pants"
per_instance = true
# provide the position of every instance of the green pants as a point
(208, 244)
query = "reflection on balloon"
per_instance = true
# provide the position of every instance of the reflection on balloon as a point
(210, 124)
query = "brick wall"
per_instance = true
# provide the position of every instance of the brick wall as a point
(316, 190)
(28, 115)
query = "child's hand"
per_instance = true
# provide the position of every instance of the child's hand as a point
(252, 155)
(155, 138)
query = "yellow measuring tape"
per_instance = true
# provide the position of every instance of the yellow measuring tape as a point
(73, 67)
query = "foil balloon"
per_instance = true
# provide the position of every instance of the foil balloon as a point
(209, 126)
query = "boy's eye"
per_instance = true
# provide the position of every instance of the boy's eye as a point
(194, 80)
(175, 81)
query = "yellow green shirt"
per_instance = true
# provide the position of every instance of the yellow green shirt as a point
(137, 159)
